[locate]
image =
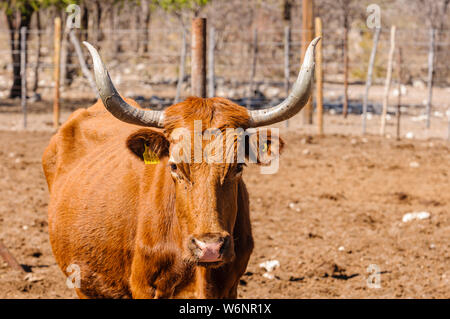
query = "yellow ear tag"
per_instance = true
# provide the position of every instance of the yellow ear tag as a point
(265, 147)
(149, 156)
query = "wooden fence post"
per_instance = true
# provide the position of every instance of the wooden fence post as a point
(387, 84)
(399, 98)
(211, 63)
(56, 74)
(198, 62)
(23, 72)
(319, 77)
(307, 37)
(287, 53)
(430, 74)
(376, 37)
(182, 67)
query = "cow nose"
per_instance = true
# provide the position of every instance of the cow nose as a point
(208, 250)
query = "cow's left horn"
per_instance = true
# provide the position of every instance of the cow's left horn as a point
(114, 102)
(298, 97)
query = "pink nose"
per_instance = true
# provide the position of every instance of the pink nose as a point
(209, 252)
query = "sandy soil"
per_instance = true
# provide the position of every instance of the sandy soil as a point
(334, 208)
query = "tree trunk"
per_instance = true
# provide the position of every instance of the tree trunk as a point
(98, 21)
(145, 21)
(112, 35)
(38, 52)
(17, 20)
(84, 23)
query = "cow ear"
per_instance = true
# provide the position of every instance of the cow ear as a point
(147, 141)
(263, 146)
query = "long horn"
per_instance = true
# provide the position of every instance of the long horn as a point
(298, 97)
(114, 102)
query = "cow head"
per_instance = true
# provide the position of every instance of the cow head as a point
(204, 145)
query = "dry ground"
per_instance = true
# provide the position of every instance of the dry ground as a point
(334, 208)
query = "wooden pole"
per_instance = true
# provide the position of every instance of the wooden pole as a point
(387, 83)
(23, 72)
(287, 53)
(254, 62)
(346, 62)
(9, 259)
(376, 37)
(319, 77)
(307, 37)
(182, 67)
(56, 74)
(211, 63)
(430, 74)
(399, 88)
(198, 63)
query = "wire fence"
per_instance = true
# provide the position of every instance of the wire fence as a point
(136, 63)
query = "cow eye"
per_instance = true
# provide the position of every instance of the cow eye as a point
(173, 167)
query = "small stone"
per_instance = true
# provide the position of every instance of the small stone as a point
(341, 248)
(268, 275)
(33, 278)
(415, 216)
(414, 164)
(270, 265)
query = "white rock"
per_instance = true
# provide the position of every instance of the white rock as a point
(270, 265)
(33, 278)
(268, 275)
(409, 135)
(24, 227)
(341, 248)
(369, 116)
(414, 164)
(415, 216)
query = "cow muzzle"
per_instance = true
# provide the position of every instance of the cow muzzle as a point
(211, 248)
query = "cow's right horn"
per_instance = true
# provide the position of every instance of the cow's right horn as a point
(114, 103)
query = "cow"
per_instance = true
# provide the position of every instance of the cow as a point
(126, 225)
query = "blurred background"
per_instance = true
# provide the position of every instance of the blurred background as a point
(362, 188)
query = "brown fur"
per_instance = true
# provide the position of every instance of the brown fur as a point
(126, 224)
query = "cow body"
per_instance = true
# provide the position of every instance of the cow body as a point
(116, 218)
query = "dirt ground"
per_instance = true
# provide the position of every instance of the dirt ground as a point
(334, 208)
